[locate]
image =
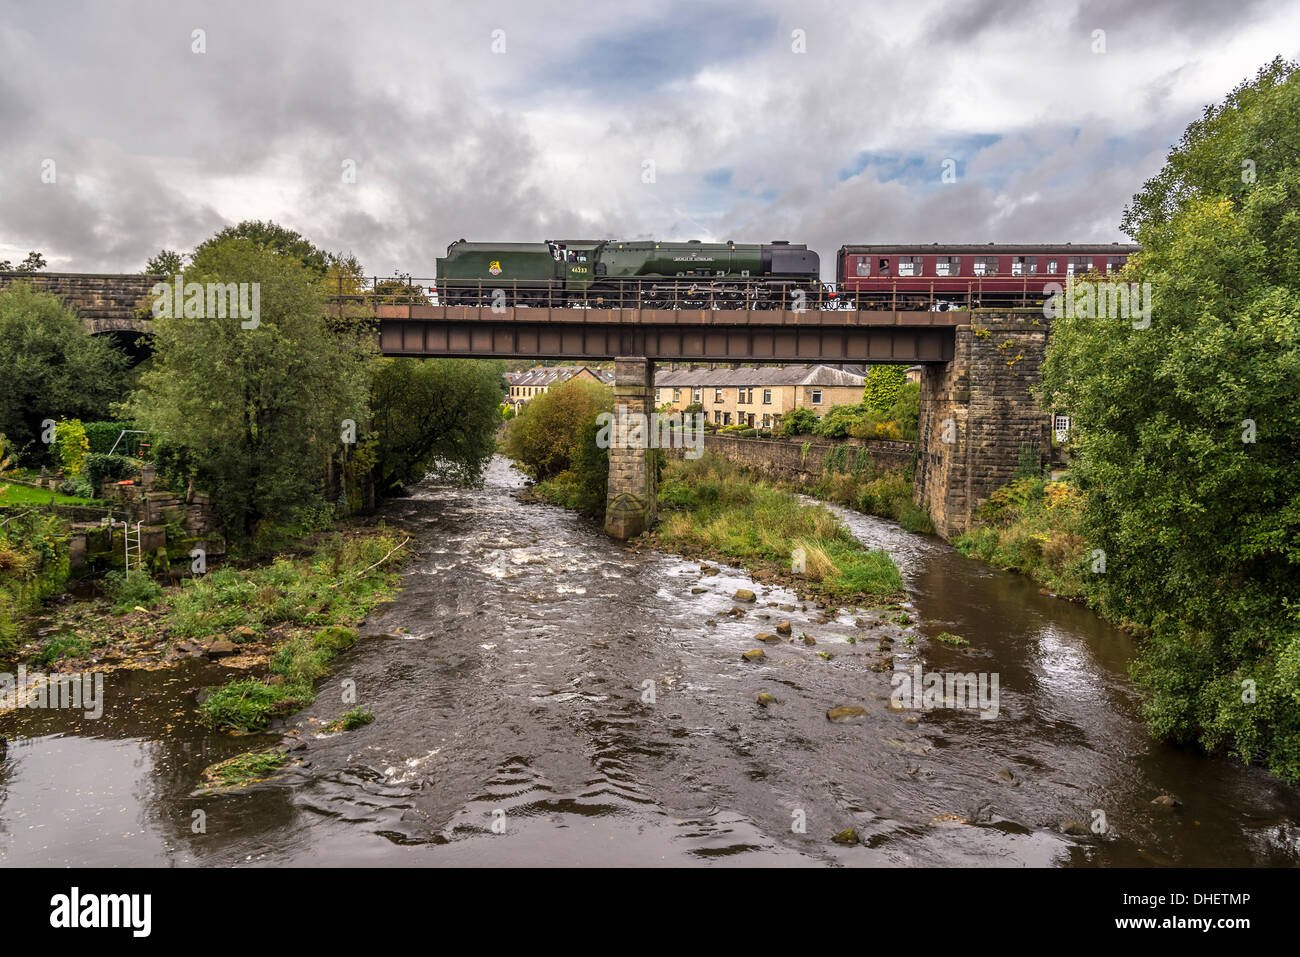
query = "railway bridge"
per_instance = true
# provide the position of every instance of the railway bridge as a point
(979, 366)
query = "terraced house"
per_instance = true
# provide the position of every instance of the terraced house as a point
(521, 387)
(759, 396)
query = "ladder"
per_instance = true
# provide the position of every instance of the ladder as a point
(131, 545)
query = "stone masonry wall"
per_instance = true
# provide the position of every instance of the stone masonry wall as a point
(787, 460)
(106, 303)
(977, 412)
(631, 501)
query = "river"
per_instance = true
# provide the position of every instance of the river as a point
(514, 726)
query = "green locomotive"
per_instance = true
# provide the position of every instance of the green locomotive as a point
(614, 274)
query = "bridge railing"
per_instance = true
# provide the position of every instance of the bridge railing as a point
(897, 293)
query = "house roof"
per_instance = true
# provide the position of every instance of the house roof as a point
(544, 375)
(761, 376)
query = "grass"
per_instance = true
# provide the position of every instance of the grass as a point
(709, 508)
(11, 494)
(65, 645)
(247, 704)
(351, 720)
(1033, 527)
(245, 768)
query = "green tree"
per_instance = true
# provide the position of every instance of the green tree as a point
(798, 421)
(34, 262)
(434, 415)
(547, 436)
(274, 238)
(883, 386)
(50, 367)
(168, 262)
(260, 411)
(1188, 431)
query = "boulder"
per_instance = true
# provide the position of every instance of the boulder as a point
(846, 712)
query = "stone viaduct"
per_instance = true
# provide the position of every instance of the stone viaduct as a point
(980, 369)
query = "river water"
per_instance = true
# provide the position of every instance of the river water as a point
(514, 725)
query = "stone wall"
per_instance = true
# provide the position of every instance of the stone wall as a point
(788, 460)
(106, 303)
(977, 412)
(631, 501)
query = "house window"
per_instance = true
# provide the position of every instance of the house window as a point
(656, 395)
(817, 396)
(750, 419)
(726, 418)
(717, 416)
(744, 396)
(1061, 426)
(696, 393)
(717, 395)
(767, 420)
(767, 396)
(677, 395)
(947, 266)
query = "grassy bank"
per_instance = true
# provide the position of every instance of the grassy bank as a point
(1034, 527)
(850, 478)
(710, 509)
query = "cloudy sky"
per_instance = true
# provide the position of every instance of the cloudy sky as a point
(391, 129)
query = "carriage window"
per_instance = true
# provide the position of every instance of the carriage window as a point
(986, 265)
(1024, 266)
(1078, 265)
(884, 268)
(909, 265)
(947, 266)
(864, 266)
(1114, 264)
(1051, 267)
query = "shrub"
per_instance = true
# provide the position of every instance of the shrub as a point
(799, 421)
(132, 589)
(102, 436)
(77, 487)
(71, 445)
(101, 468)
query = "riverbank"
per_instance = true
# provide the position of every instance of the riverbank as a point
(712, 509)
(233, 613)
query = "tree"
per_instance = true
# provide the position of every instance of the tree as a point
(260, 410)
(434, 415)
(798, 421)
(1187, 432)
(274, 238)
(547, 436)
(34, 262)
(168, 262)
(50, 367)
(883, 386)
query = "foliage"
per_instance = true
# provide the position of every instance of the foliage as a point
(798, 421)
(77, 487)
(883, 387)
(109, 468)
(49, 365)
(33, 567)
(127, 591)
(550, 433)
(1186, 432)
(103, 436)
(71, 445)
(259, 411)
(168, 262)
(270, 237)
(709, 507)
(434, 415)
(34, 262)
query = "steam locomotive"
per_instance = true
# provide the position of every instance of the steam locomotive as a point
(697, 275)
(653, 275)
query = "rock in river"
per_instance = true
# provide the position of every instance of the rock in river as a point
(755, 655)
(743, 594)
(783, 628)
(767, 636)
(846, 712)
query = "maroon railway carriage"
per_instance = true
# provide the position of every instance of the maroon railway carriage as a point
(948, 276)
